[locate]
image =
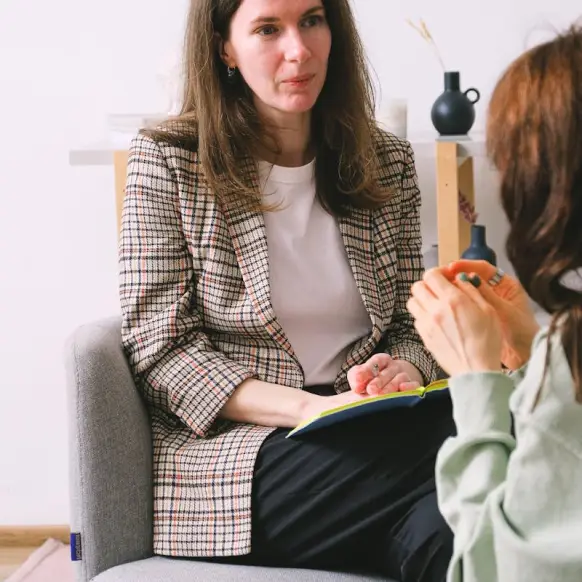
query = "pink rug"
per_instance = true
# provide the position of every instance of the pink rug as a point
(49, 563)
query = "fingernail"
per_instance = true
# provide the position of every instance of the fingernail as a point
(464, 277)
(476, 280)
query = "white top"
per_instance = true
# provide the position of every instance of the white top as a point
(313, 291)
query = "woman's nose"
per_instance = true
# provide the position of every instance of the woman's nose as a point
(296, 50)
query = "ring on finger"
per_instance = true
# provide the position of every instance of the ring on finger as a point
(496, 279)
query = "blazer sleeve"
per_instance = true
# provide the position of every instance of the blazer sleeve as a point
(162, 333)
(402, 339)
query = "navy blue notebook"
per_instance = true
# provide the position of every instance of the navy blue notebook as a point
(370, 406)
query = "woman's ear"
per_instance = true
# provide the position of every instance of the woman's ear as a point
(223, 49)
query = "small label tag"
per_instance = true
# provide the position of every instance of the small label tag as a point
(76, 550)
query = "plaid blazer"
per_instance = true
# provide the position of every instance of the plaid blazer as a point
(197, 321)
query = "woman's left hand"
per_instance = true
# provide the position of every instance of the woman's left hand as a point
(456, 324)
(382, 374)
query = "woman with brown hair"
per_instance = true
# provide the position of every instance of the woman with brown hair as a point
(270, 238)
(515, 504)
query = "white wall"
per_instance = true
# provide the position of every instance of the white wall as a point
(65, 65)
(478, 39)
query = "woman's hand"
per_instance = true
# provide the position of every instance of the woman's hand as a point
(382, 374)
(511, 304)
(456, 323)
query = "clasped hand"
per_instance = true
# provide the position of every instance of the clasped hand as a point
(472, 328)
(457, 325)
(381, 374)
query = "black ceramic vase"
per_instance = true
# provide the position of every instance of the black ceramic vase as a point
(478, 249)
(453, 113)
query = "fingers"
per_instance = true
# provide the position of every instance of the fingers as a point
(484, 269)
(489, 295)
(415, 308)
(472, 286)
(381, 360)
(422, 327)
(423, 319)
(360, 376)
(464, 284)
(438, 284)
(422, 294)
(388, 381)
(400, 383)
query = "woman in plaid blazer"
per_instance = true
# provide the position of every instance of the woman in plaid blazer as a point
(206, 288)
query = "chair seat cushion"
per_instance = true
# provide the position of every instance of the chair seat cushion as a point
(160, 569)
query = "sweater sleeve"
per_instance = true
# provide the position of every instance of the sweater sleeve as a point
(512, 506)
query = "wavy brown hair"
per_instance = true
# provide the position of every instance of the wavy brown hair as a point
(535, 141)
(218, 118)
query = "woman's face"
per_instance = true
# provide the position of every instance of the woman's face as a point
(281, 48)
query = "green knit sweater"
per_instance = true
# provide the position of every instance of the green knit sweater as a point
(515, 505)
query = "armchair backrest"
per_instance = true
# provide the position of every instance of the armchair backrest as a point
(110, 452)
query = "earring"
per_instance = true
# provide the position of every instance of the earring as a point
(231, 72)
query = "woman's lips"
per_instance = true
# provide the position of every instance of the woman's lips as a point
(300, 81)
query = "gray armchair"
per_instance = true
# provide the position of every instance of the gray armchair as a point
(111, 467)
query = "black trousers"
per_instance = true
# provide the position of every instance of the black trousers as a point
(359, 496)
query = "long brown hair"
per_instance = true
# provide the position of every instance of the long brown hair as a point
(218, 118)
(534, 138)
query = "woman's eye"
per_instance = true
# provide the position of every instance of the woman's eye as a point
(309, 22)
(312, 21)
(267, 30)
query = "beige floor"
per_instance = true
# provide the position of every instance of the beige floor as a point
(11, 558)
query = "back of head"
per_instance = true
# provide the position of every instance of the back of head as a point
(534, 138)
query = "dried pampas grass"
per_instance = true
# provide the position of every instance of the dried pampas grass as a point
(424, 32)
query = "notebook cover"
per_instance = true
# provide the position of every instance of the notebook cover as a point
(370, 406)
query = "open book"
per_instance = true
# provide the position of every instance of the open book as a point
(371, 405)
